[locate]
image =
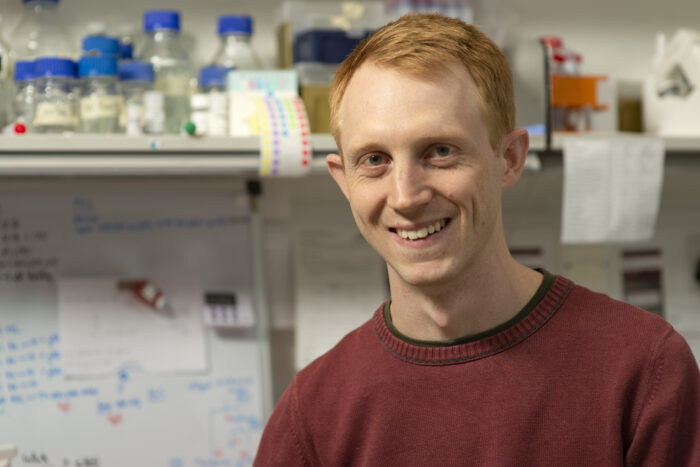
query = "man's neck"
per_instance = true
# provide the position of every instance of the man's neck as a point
(471, 305)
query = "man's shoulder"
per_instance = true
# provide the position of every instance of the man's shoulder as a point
(600, 317)
(349, 356)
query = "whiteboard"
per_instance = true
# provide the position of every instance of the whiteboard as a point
(131, 417)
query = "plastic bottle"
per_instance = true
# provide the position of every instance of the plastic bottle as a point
(99, 97)
(40, 32)
(25, 95)
(235, 50)
(137, 82)
(171, 64)
(55, 110)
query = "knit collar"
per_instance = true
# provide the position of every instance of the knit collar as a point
(541, 307)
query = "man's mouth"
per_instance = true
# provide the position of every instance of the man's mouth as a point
(422, 232)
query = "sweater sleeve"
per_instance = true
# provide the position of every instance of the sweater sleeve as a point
(282, 442)
(668, 428)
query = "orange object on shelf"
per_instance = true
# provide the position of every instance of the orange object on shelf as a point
(576, 91)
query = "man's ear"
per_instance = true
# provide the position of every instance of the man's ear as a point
(514, 149)
(337, 170)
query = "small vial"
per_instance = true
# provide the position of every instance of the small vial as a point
(55, 110)
(136, 79)
(23, 102)
(212, 82)
(100, 100)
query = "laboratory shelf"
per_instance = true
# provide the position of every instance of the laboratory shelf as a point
(48, 155)
(97, 155)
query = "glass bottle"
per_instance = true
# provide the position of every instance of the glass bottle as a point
(136, 80)
(25, 95)
(41, 33)
(165, 52)
(235, 50)
(212, 83)
(99, 94)
(6, 88)
(55, 110)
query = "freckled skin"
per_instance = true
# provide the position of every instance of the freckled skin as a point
(416, 151)
(463, 187)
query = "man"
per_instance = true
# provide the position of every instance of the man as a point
(475, 359)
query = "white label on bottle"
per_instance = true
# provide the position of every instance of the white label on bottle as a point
(92, 107)
(55, 114)
(218, 114)
(153, 112)
(173, 85)
(134, 119)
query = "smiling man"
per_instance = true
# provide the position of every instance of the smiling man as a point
(475, 359)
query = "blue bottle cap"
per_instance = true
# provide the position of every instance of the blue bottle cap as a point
(102, 65)
(235, 24)
(161, 19)
(100, 45)
(24, 70)
(213, 75)
(136, 71)
(126, 51)
(47, 67)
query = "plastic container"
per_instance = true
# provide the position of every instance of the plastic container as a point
(100, 100)
(55, 110)
(25, 95)
(100, 45)
(165, 52)
(136, 80)
(41, 33)
(235, 50)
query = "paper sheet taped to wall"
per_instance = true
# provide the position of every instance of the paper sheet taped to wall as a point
(612, 189)
(105, 328)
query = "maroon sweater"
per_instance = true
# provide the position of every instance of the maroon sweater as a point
(576, 379)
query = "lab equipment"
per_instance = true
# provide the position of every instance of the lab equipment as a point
(235, 50)
(100, 100)
(137, 81)
(25, 95)
(100, 45)
(41, 33)
(165, 52)
(55, 110)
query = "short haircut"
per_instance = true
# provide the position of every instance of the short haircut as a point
(423, 44)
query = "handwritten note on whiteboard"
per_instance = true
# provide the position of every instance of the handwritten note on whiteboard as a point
(612, 189)
(104, 328)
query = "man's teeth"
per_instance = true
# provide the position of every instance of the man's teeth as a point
(422, 233)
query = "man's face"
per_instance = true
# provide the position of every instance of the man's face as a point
(423, 182)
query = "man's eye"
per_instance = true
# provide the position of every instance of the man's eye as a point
(442, 151)
(374, 159)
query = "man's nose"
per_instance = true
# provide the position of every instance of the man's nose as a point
(409, 188)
